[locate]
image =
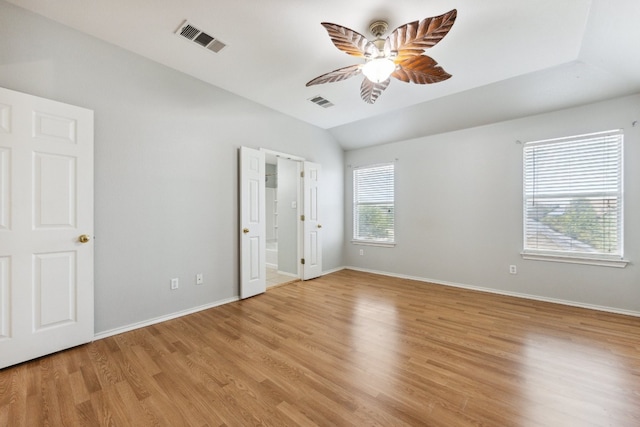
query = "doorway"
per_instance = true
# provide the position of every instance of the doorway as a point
(282, 194)
(303, 236)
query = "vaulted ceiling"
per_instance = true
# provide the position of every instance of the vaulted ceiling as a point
(508, 58)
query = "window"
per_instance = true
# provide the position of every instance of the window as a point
(373, 204)
(573, 199)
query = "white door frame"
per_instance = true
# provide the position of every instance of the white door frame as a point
(299, 228)
(300, 212)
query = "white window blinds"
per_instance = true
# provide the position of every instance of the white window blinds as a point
(373, 204)
(573, 196)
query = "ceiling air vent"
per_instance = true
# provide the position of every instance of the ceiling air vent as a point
(199, 37)
(323, 102)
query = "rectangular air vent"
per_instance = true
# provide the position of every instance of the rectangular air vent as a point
(194, 34)
(323, 102)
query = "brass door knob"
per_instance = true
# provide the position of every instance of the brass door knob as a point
(245, 230)
(83, 238)
(319, 225)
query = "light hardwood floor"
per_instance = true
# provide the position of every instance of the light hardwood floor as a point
(349, 348)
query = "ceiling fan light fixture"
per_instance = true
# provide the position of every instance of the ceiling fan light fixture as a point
(379, 69)
(399, 55)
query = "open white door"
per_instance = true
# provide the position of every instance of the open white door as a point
(312, 235)
(253, 268)
(46, 227)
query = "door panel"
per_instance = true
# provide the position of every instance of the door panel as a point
(253, 269)
(5, 118)
(5, 306)
(55, 199)
(312, 240)
(54, 289)
(313, 248)
(46, 203)
(254, 248)
(5, 189)
(53, 127)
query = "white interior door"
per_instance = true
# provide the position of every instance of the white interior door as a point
(46, 227)
(312, 235)
(253, 269)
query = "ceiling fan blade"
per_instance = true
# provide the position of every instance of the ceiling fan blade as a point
(420, 70)
(413, 38)
(370, 91)
(349, 41)
(337, 75)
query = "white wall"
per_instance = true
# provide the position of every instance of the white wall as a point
(165, 166)
(459, 209)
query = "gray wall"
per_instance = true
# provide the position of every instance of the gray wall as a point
(459, 209)
(166, 148)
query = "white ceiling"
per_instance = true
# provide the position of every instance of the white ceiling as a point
(508, 58)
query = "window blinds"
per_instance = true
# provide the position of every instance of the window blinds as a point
(373, 203)
(573, 195)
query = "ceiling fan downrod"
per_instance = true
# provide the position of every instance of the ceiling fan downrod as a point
(378, 28)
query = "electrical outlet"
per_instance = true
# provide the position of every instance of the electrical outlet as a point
(513, 269)
(174, 284)
(361, 252)
(199, 279)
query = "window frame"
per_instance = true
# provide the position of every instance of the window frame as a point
(575, 256)
(358, 240)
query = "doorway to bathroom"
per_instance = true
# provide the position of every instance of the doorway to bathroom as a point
(282, 193)
(293, 229)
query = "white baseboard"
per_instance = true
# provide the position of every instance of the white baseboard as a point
(506, 293)
(160, 319)
(324, 273)
(131, 327)
(286, 273)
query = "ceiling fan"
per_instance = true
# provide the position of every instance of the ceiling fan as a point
(399, 55)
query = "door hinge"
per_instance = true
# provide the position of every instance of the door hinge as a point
(301, 217)
(302, 261)
(302, 174)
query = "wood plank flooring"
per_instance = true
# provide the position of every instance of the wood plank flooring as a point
(347, 349)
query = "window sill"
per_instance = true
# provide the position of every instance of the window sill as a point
(374, 243)
(604, 262)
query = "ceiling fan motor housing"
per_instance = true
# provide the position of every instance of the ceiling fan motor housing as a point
(378, 28)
